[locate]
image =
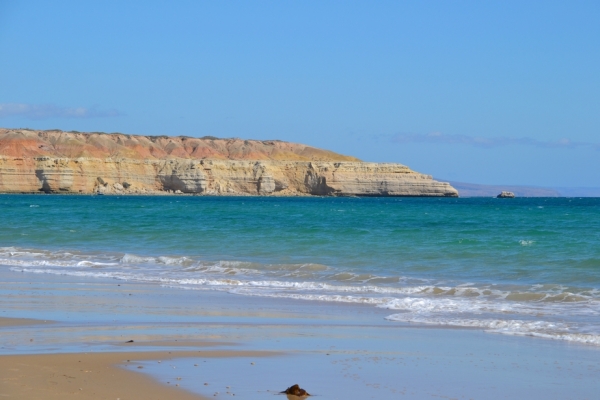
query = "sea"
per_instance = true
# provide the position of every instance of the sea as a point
(523, 266)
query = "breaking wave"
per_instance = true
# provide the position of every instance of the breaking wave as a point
(560, 312)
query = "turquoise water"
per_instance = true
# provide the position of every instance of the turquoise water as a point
(515, 266)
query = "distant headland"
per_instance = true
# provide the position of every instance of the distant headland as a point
(55, 161)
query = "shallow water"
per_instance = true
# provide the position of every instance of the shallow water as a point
(410, 368)
(512, 266)
(336, 352)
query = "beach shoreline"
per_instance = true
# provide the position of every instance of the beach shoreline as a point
(366, 298)
(253, 347)
(94, 375)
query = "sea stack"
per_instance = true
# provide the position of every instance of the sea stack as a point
(54, 161)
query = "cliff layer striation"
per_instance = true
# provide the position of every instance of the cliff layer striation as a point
(72, 162)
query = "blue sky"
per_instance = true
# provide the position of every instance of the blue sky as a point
(498, 92)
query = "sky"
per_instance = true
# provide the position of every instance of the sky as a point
(490, 92)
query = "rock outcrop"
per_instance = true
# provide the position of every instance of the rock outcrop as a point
(64, 162)
(478, 190)
(506, 195)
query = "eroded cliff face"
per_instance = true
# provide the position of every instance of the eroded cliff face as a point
(307, 174)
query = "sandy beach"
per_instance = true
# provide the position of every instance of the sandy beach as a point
(85, 376)
(255, 348)
(96, 375)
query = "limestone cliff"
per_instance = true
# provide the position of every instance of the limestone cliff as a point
(73, 162)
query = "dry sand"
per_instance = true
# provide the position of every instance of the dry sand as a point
(93, 375)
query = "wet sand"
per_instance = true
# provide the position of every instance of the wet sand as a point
(6, 322)
(254, 348)
(94, 375)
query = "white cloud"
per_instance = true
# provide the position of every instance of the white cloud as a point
(46, 111)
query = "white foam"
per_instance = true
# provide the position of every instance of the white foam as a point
(536, 328)
(508, 325)
(46, 263)
(111, 275)
(96, 264)
(508, 309)
(220, 268)
(422, 305)
(315, 297)
(133, 259)
(173, 260)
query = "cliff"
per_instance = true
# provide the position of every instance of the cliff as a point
(74, 162)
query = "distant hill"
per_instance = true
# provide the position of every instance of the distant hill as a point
(477, 190)
(579, 191)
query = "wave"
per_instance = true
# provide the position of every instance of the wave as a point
(535, 328)
(541, 310)
(480, 306)
(167, 260)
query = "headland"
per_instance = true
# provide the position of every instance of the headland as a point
(54, 161)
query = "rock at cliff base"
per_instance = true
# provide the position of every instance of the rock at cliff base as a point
(506, 195)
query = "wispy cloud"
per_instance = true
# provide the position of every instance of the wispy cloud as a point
(46, 111)
(489, 142)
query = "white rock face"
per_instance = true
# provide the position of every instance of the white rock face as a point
(266, 184)
(55, 175)
(188, 177)
(372, 179)
(506, 195)
(265, 177)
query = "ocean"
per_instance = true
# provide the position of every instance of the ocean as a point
(524, 266)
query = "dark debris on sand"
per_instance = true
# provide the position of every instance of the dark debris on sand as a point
(295, 390)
